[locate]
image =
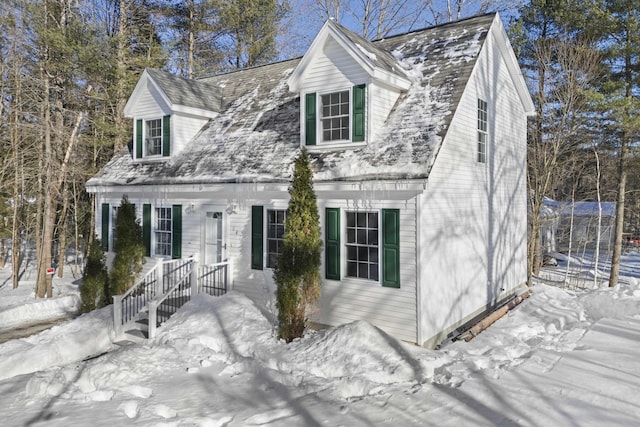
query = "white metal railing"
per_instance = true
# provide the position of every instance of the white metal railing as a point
(166, 288)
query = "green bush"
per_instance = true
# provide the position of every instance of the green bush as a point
(297, 272)
(95, 280)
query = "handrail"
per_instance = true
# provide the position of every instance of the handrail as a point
(152, 295)
(173, 288)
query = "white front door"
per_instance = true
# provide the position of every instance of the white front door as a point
(213, 238)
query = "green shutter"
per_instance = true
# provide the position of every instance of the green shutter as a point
(332, 243)
(146, 227)
(105, 227)
(391, 248)
(166, 136)
(138, 139)
(310, 119)
(176, 230)
(256, 237)
(359, 96)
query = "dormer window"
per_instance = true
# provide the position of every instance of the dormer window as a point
(340, 117)
(153, 138)
(335, 116)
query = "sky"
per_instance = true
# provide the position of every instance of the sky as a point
(306, 19)
(566, 356)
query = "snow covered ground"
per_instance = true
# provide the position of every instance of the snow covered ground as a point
(564, 357)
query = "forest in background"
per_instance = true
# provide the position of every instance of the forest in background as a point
(69, 66)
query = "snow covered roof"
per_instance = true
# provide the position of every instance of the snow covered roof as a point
(256, 135)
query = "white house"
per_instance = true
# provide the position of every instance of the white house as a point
(418, 144)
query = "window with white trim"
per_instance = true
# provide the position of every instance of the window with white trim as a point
(153, 137)
(275, 235)
(482, 131)
(163, 232)
(362, 245)
(334, 116)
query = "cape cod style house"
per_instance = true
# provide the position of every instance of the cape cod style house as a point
(418, 145)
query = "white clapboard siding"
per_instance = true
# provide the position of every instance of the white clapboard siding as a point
(380, 101)
(150, 104)
(183, 129)
(391, 309)
(325, 76)
(478, 208)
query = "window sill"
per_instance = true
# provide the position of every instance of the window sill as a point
(152, 159)
(326, 146)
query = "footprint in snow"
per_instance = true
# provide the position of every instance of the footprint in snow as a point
(138, 391)
(101, 395)
(130, 408)
(163, 411)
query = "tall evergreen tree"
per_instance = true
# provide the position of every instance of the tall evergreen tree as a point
(129, 248)
(297, 273)
(250, 28)
(616, 23)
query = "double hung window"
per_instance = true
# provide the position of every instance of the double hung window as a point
(362, 233)
(275, 235)
(163, 232)
(335, 117)
(334, 110)
(153, 137)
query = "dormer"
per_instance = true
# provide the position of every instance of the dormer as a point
(167, 112)
(347, 88)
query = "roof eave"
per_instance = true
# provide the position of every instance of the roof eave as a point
(328, 29)
(391, 79)
(129, 107)
(209, 114)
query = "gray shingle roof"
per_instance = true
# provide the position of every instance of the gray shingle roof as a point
(256, 136)
(187, 92)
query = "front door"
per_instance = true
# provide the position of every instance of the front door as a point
(213, 238)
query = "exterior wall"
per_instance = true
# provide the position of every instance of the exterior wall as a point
(183, 129)
(150, 104)
(473, 215)
(383, 99)
(391, 309)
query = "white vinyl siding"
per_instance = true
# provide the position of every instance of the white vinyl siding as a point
(353, 298)
(183, 129)
(472, 216)
(379, 104)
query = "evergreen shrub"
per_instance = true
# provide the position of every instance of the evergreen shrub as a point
(297, 272)
(95, 280)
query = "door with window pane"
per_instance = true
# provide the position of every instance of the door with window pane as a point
(213, 244)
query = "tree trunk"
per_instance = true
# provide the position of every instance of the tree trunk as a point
(62, 234)
(619, 224)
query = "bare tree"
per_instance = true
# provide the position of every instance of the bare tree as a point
(565, 68)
